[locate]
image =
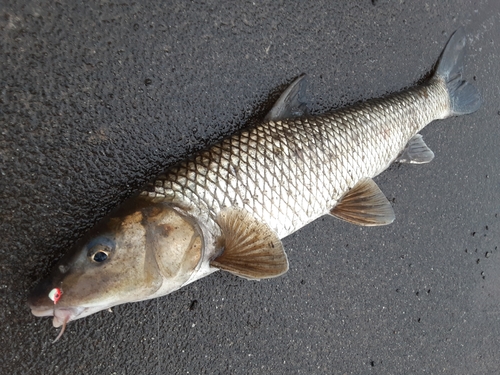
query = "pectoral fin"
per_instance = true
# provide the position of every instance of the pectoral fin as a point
(416, 152)
(364, 205)
(251, 249)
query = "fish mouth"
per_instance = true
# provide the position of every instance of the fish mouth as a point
(41, 304)
(62, 315)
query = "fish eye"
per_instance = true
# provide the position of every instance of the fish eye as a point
(100, 249)
(99, 256)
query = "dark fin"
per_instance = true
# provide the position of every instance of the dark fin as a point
(251, 249)
(464, 97)
(416, 152)
(288, 105)
(364, 205)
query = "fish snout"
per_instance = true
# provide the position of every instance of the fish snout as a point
(38, 297)
(43, 302)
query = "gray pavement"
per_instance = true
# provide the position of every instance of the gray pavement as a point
(98, 97)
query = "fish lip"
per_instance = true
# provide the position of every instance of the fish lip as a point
(41, 312)
(60, 314)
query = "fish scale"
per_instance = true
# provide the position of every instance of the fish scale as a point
(289, 172)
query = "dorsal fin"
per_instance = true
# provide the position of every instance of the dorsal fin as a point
(364, 204)
(416, 152)
(288, 105)
(251, 249)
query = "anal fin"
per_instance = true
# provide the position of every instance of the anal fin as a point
(251, 249)
(364, 204)
(416, 152)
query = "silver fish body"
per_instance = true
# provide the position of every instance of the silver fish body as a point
(228, 207)
(289, 172)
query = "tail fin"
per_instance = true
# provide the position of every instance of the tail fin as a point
(464, 97)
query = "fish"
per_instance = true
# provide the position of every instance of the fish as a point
(228, 207)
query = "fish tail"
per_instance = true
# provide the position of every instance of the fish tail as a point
(464, 97)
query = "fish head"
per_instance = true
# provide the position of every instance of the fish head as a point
(139, 252)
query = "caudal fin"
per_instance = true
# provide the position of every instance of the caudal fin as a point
(464, 97)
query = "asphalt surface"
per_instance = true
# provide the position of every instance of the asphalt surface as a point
(98, 97)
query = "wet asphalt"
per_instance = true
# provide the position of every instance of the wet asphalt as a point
(98, 97)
